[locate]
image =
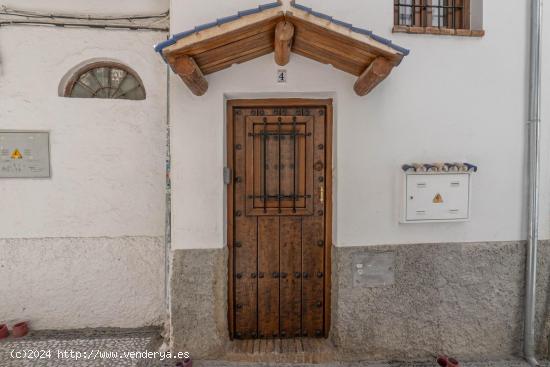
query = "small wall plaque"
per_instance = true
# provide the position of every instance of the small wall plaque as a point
(24, 154)
(373, 269)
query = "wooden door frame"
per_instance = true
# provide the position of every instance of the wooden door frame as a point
(280, 102)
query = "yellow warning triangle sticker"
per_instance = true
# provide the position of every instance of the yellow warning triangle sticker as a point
(438, 199)
(16, 154)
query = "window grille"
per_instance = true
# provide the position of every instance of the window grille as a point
(450, 14)
(105, 80)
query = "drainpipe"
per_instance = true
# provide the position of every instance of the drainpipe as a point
(534, 178)
(168, 201)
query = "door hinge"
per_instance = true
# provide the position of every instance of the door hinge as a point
(227, 175)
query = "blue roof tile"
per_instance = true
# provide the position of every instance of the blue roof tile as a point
(321, 15)
(301, 7)
(228, 19)
(343, 24)
(202, 27)
(366, 32)
(269, 5)
(403, 50)
(380, 39)
(243, 13)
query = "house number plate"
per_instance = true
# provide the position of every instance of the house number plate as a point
(24, 154)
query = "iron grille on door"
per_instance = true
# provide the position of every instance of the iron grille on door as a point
(278, 149)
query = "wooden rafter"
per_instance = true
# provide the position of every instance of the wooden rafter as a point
(191, 74)
(284, 32)
(374, 74)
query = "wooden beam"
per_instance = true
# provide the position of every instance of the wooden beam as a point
(191, 74)
(226, 55)
(284, 33)
(373, 75)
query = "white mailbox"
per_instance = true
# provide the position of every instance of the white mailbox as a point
(436, 197)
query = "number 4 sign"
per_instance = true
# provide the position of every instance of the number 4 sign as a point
(281, 76)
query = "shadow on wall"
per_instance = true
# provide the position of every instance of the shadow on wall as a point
(1, 66)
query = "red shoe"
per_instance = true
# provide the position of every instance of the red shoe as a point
(20, 329)
(4, 331)
(445, 361)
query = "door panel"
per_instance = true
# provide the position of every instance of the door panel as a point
(313, 240)
(277, 230)
(312, 277)
(268, 283)
(245, 249)
(291, 277)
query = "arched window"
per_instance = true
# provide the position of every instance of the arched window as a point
(102, 79)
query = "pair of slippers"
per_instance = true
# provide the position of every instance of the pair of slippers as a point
(20, 329)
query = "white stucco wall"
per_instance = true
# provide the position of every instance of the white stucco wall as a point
(73, 283)
(452, 99)
(545, 128)
(107, 156)
(92, 7)
(84, 248)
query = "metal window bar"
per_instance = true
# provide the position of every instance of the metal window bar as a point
(414, 13)
(294, 138)
(264, 138)
(282, 133)
(264, 135)
(279, 164)
(454, 14)
(280, 197)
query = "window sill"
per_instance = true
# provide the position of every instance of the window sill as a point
(438, 31)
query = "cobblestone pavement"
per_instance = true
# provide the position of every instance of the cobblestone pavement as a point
(105, 348)
(512, 363)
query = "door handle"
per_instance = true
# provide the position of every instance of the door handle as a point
(321, 193)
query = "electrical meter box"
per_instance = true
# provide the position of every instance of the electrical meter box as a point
(436, 197)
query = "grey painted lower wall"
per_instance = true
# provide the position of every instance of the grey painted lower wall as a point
(462, 299)
(198, 302)
(73, 283)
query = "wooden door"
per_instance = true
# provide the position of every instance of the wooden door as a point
(279, 218)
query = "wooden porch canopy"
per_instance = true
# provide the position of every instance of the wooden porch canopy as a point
(256, 32)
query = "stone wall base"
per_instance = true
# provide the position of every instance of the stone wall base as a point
(465, 300)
